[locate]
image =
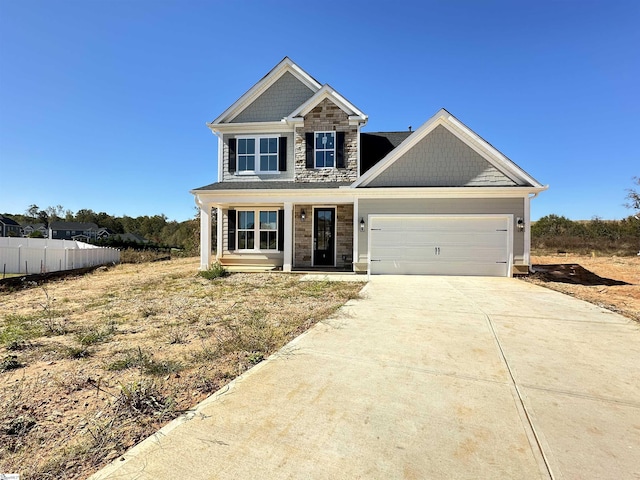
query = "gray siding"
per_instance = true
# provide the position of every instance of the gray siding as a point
(278, 101)
(441, 160)
(446, 206)
(276, 177)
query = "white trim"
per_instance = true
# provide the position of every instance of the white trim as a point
(356, 233)
(219, 238)
(313, 233)
(288, 232)
(286, 65)
(527, 230)
(348, 194)
(251, 127)
(474, 141)
(507, 216)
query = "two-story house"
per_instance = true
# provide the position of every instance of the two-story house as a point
(81, 231)
(9, 227)
(300, 186)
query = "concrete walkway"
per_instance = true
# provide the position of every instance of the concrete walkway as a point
(424, 378)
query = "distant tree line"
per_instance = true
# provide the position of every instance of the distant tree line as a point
(558, 233)
(160, 231)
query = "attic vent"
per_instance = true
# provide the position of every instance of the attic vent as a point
(409, 127)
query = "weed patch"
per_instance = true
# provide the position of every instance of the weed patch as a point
(216, 270)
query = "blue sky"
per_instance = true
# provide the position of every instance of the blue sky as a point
(103, 104)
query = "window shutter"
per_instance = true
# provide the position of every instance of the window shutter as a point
(231, 230)
(282, 152)
(309, 138)
(232, 155)
(281, 230)
(340, 149)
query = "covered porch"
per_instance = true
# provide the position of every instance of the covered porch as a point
(313, 235)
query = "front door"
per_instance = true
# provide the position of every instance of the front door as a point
(324, 228)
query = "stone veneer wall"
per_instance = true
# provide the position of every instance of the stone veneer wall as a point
(303, 240)
(344, 233)
(302, 236)
(327, 116)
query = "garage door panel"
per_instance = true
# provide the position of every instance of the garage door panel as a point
(428, 245)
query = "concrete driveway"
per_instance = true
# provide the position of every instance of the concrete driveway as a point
(425, 377)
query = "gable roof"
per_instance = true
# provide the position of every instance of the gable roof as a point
(328, 92)
(464, 134)
(285, 65)
(9, 221)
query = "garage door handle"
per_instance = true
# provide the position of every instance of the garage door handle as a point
(372, 260)
(501, 262)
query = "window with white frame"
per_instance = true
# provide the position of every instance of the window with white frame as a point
(246, 154)
(246, 230)
(269, 154)
(258, 154)
(266, 230)
(325, 149)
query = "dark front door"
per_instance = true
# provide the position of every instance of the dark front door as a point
(324, 228)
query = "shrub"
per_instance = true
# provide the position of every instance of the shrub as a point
(216, 270)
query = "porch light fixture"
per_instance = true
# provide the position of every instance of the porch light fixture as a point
(303, 215)
(361, 224)
(520, 223)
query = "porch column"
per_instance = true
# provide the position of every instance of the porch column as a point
(288, 236)
(219, 233)
(205, 236)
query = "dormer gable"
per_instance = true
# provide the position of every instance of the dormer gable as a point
(327, 92)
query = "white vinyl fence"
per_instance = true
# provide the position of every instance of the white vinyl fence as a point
(41, 255)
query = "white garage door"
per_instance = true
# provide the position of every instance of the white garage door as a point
(436, 245)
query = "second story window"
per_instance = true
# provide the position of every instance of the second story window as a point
(325, 149)
(257, 154)
(246, 155)
(269, 154)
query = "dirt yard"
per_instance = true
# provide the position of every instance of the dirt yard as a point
(610, 282)
(93, 364)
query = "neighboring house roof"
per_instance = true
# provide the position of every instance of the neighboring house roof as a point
(374, 146)
(286, 66)
(9, 221)
(270, 185)
(73, 226)
(498, 169)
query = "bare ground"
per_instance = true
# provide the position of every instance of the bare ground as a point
(610, 282)
(93, 364)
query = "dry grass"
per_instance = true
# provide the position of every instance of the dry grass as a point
(612, 282)
(96, 363)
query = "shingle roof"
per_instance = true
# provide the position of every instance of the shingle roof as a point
(374, 146)
(9, 221)
(73, 225)
(271, 185)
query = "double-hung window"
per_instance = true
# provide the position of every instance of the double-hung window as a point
(268, 230)
(268, 154)
(246, 154)
(325, 149)
(246, 230)
(265, 230)
(259, 154)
